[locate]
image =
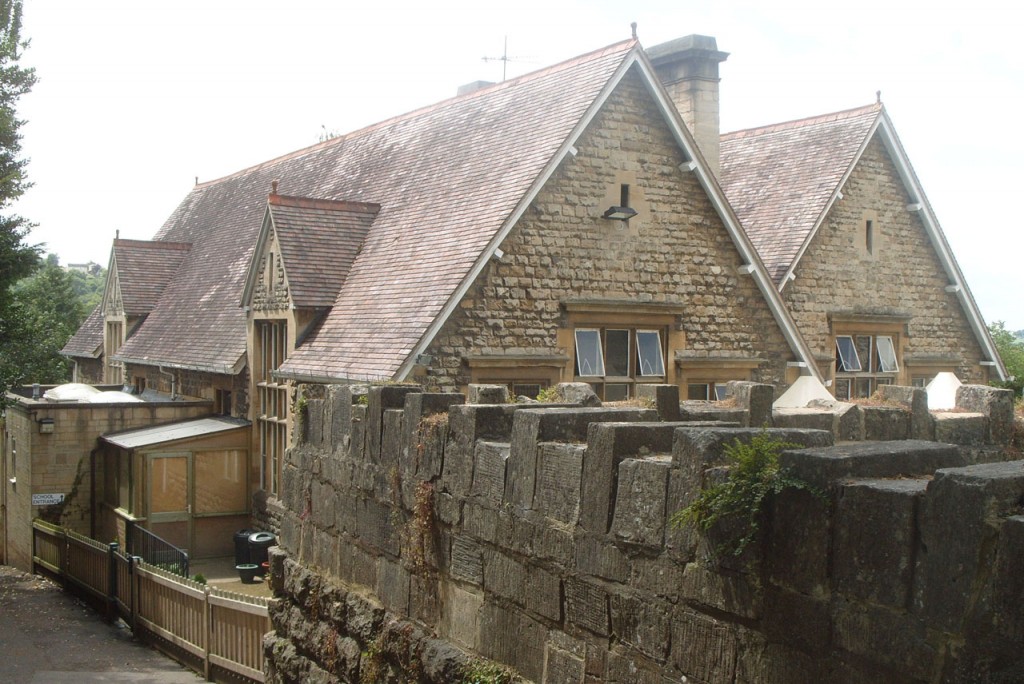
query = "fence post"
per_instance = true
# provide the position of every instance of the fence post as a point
(207, 632)
(133, 562)
(112, 581)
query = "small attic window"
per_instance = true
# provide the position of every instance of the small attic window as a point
(869, 236)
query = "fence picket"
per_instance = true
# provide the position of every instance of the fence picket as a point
(222, 628)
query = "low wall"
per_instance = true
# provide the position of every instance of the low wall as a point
(420, 533)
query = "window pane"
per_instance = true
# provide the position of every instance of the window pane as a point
(864, 353)
(589, 360)
(616, 357)
(616, 392)
(848, 360)
(842, 388)
(220, 481)
(526, 390)
(886, 355)
(864, 387)
(721, 392)
(697, 391)
(168, 484)
(648, 347)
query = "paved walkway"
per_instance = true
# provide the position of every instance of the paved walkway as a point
(47, 636)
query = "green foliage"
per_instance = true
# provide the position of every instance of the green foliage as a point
(754, 477)
(1011, 351)
(48, 313)
(88, 287)
(17, 259)
(199, 578)
(484, 672)
(548, 395)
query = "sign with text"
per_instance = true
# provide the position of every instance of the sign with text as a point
(47, 499)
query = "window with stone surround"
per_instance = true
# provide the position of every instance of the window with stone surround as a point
(863, 362)
(270, 351)
(615, 359)
(706, 391)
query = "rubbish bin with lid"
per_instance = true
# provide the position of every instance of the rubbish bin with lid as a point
(242, 546)
(259, 542)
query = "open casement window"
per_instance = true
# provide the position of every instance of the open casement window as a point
(863, 362)
(615, 359)
(706, 391)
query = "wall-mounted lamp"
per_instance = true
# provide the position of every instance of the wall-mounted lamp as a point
(424, 359)
(619, 213)
(45, 426)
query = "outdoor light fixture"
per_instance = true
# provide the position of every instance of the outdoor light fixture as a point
(424, 359)
(45, 426)
(619, 213)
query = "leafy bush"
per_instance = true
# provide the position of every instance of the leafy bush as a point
(741, 500)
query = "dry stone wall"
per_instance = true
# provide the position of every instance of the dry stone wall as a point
(421, 534)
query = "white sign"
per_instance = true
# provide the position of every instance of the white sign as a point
(47, 499)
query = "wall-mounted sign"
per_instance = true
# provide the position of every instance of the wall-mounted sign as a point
(47, 499)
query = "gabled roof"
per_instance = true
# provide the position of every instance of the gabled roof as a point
(319, 241)
(88, 339)
(782, 179)
(142, 270)
(451, 180)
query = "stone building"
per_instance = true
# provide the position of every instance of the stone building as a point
(580, 223)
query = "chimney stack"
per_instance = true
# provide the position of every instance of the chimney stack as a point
(688, 68)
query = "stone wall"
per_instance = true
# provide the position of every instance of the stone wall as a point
(421, 533)
(676, 250)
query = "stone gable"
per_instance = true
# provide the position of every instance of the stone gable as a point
(676, 250)
(900, 276)
(270, 292)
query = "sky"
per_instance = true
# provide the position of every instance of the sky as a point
(136, 100)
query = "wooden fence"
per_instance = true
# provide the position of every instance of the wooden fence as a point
(207, 629)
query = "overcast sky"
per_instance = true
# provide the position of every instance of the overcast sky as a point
(137, 99)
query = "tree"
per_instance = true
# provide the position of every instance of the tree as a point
(88, 287)
(49, 313)
(17, 258)
(1011, 351)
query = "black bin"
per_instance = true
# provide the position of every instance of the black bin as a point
(242, 546)
(259, 542)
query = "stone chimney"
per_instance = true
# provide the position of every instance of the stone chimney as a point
(688, 68)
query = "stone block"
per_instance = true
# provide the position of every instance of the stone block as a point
(562, 667)
(886, 423)
(995, 403)
(393, 587)
(1008, 583)
(586, 605)
(713, 411)
(358, 447)
(959, 536)
(760, 661)
(467, 424)
(915, 400)
(426, 431)
(661, 576)
(533, 426)
(487, 394)
(467, 560)
(625, 670)
(798, 541)
(598, 557)
(641, 623)
(607, 445)
(891, 639)
(822, 467)
(874, 540)
(726, 592)
(489, 463)
(505, 577)
(460, 615)
(543, 593)
(391, 443)
(756, 398)
(480, 522)
(966, 429)
(640, 496)
(379, 399)
(511, 637)
(796, 620)
(665, 398)
(364, 617)
(559, 473)
(703, 648)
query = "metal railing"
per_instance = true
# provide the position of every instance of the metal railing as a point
(156, 551)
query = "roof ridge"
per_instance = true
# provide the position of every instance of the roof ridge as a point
(806, 121)
(159, 244)
(622, 45)
(317, 203)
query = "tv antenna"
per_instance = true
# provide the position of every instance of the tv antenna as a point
(504, 59)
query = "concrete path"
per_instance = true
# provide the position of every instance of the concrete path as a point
(48, 636)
